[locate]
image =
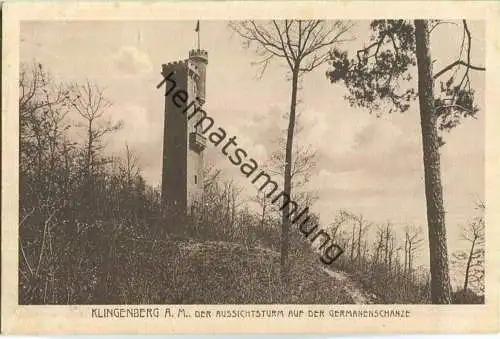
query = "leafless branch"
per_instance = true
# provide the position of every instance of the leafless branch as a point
(293, 40)
(440, 22)
(25, 259)
(43, 240)
(459, 62)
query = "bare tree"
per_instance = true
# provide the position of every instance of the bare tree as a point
(413, 242)
(304, 159)
(231, 192)
(304, 45)
(473, 259)
(358, 244)
(384, 248)
(362, 229)
(130, 166)
(221, 201)
(43, 108)
(338, 222)
(265, 206)
(90, 103)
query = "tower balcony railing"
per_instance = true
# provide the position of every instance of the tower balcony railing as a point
(197, 141)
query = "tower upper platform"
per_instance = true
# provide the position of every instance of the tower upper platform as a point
(199, 54)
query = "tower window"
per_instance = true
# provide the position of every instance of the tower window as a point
(195, 179)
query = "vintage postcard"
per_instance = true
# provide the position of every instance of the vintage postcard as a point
(250, 167)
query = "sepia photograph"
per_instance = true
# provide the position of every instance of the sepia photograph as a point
(239, 161)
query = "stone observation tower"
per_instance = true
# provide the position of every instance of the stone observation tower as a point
(183, 142)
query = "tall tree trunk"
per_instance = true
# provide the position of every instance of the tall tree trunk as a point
(365, 250)
(406, 253)
(469, 261)
(285, 219)
(410, 259)
(391, 254)
(359, 239)
(233, 212)
(386, 248)
(440, 280)
(263, 215)
(89, 152)
(352, 243)
(88, 190)
(379, 248)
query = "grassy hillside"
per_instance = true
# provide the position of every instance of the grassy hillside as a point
(189, 272)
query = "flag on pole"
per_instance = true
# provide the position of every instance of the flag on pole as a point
(197, 29)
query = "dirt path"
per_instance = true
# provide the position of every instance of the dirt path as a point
(355, 291)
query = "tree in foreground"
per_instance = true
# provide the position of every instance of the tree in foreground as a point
(303, 45)
(380, 74)
(304, 160)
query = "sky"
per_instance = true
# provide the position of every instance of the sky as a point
(367, 164)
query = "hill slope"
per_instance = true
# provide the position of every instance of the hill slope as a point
(189, 272)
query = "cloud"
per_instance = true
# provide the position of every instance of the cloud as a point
(132, 61)
(143, 136)
(381, 135)
(137, 129)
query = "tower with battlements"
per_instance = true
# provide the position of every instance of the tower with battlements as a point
(183, 142)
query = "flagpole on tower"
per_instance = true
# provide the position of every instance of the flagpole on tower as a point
(197, 29)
